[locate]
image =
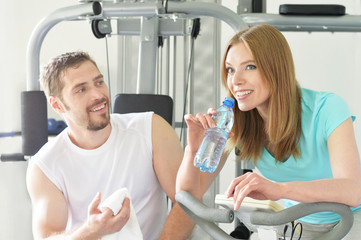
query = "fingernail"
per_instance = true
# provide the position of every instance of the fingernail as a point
(236, 207)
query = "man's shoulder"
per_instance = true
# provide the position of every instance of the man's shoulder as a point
(133, 115)
(129, 120)
(52, 148)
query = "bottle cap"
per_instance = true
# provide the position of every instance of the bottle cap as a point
(229, 102)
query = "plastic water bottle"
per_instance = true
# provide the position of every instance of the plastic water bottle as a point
(214, 141)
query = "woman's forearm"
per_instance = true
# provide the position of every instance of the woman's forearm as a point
(346, 191)
(188, 177)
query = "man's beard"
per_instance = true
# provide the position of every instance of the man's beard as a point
(99, 125)
(93, 125)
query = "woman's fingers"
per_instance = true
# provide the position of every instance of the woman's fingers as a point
(208, 116)
(210, 121)
(201, 119)
(242, 187)
(254, 186)
(211, 111)
(241, 193)
(231, 188)
(204, 119)
(189, 119)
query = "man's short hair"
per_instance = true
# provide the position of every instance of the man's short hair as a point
(51, 77)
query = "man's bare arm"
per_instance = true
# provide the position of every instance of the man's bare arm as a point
(50, 212)
(167, 157)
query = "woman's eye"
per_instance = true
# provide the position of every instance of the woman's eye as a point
(230, 70)
(250, 67)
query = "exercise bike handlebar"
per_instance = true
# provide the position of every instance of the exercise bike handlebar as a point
(303, 209)
(205, 216)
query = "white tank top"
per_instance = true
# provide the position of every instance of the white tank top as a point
(124, 160)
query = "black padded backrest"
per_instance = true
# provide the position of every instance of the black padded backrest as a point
(159, 104)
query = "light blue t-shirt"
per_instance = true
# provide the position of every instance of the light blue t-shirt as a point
(322, 112)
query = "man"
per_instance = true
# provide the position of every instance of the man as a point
(96, 155)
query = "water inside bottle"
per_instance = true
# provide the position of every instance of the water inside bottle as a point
(211, 149)
(222, 120)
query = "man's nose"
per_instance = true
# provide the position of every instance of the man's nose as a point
(96, 93)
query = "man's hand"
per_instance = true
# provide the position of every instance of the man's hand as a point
(104, 223)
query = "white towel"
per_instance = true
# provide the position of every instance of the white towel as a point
(131, 229)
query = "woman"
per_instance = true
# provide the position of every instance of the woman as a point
(302, 141)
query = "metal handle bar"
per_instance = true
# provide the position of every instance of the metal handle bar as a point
(205, 216)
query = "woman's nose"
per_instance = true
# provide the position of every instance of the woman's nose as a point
(238, 78)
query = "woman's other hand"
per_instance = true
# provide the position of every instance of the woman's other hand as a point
(254, 186)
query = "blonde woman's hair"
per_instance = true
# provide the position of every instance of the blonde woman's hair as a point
(274, 61)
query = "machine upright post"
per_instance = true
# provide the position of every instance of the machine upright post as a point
(148, 48)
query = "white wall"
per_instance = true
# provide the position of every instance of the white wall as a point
(324, 61)
(17, 21)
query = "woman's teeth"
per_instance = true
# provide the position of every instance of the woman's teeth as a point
(241, 94)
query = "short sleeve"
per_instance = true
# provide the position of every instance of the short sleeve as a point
(333, 110)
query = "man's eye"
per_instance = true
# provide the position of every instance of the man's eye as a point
(100, 83)
(81, 90)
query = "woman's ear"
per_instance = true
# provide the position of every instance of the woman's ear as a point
(56, 104)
